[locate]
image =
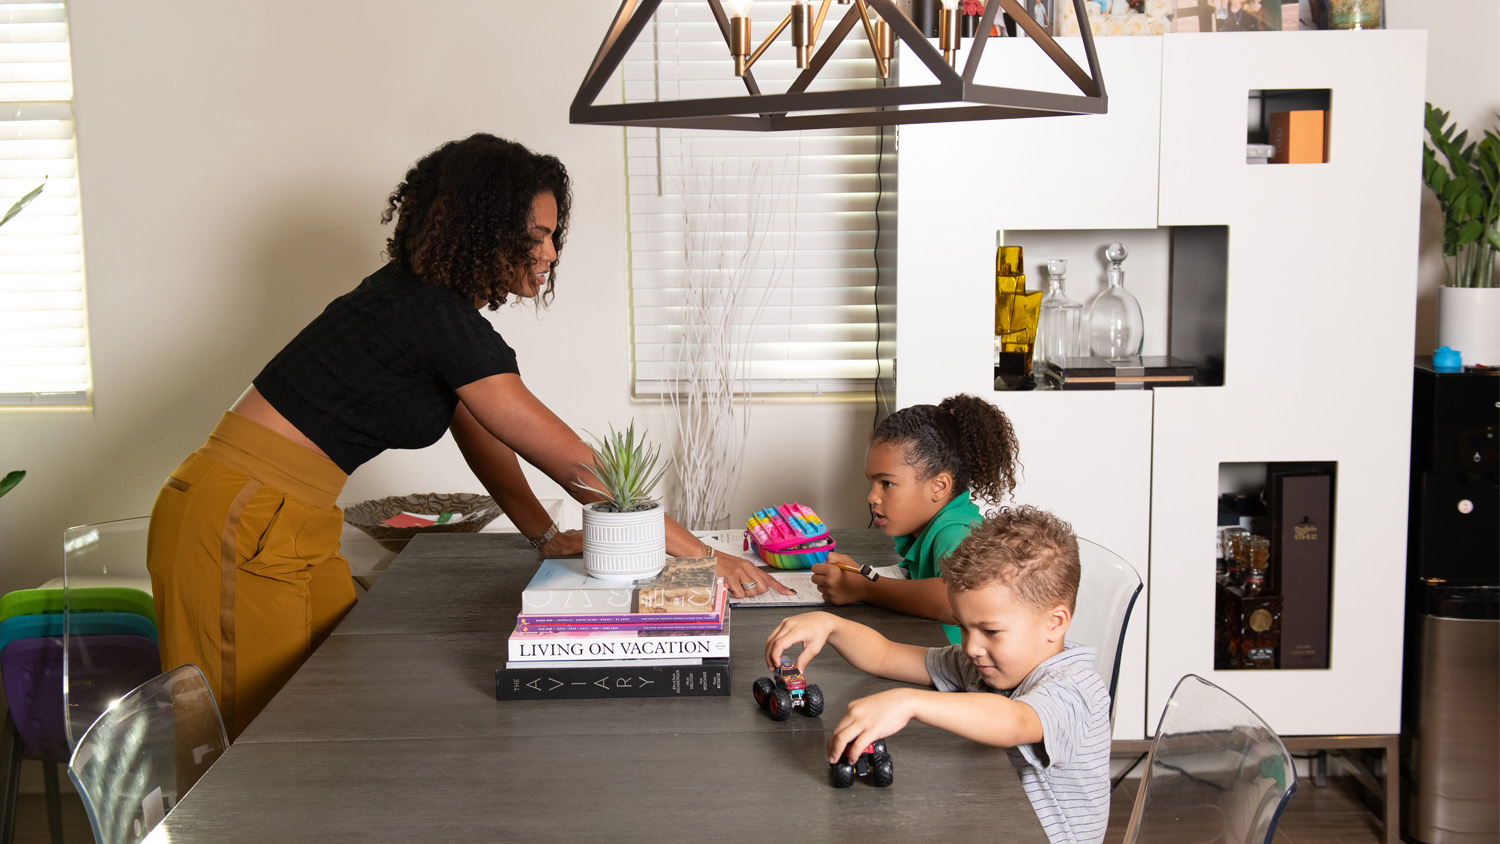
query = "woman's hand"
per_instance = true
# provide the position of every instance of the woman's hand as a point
(744, 578)
(569, 543)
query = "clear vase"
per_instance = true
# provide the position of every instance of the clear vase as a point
(1059, 326)
(1115, 326)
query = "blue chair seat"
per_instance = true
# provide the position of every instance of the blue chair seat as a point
(84, 624)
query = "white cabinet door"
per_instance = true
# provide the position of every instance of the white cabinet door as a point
(1318, 355)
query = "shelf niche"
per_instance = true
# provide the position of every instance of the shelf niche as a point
(1179, 274)
(1290, 504)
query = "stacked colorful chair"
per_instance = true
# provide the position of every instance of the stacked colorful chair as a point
(67, 651)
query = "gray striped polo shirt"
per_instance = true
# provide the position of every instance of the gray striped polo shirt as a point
(1066, 775)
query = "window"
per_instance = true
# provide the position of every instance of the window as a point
(44, 358)
(778, 228)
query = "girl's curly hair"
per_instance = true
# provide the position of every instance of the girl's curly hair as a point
(463, 216)
(965, 436)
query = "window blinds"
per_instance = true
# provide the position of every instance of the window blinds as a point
(44, 359)
(770, 236)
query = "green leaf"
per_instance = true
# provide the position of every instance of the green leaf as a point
(22, 203)
(1469, 232)
(10, 480)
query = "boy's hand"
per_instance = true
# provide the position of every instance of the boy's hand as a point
(838, 586)
(810, 629)
(870, 718)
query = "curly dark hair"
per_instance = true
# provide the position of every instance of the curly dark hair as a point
(463, 216)
(1031, 552)
(965, 436)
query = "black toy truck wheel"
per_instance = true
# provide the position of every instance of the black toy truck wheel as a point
(781, 704)
(762, 691)
(883, 772)
(878, 746)
(812, 702)
(843, 774)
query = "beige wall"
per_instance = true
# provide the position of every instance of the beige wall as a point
(235, 159)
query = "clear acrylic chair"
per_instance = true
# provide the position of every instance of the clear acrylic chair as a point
(144, 753)
(1106, 596)
(101, 558)
(1217, 773)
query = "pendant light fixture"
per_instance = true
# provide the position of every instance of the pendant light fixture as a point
(952, 96)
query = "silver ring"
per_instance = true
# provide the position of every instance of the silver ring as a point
(751, 585)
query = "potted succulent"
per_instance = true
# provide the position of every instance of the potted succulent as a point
(1468, 191)
(624, 536)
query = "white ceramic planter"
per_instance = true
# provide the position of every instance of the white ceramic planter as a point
(624, 546)
(1468, 321)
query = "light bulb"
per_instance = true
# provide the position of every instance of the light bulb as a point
(950, 4)
(739, 8)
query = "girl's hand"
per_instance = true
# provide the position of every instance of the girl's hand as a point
(870, 718)
(838, 586)
(744, 578)
(569, 543)
(811, 630)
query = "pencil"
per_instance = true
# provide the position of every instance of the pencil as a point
(867, 572)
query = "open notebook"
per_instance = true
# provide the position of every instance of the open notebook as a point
(807, 594)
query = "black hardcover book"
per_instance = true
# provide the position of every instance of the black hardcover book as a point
(1150, 371)
(709, 679)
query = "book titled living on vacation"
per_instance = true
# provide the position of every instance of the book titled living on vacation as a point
(562, 588)
(619, 644)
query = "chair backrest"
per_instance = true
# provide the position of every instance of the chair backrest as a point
(143, 754)
(1217, 772)
(83, 624)
(105, 666)
(1106, 595)
(101, 559)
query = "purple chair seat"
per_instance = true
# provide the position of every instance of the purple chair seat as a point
(103, 668)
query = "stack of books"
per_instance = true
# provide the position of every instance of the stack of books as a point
(581, 637)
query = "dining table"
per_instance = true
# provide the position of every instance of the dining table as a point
(391, 731)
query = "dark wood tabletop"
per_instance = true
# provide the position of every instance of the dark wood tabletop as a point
(391, 732)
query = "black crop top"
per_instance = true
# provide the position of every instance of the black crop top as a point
(379, 367)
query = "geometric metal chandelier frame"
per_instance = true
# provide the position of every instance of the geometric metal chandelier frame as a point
(953, 96)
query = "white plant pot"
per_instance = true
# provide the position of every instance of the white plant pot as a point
(1468, 322)
(624, 546)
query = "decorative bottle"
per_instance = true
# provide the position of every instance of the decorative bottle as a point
(1015, 320)
(1058, 327)
(1115, 326)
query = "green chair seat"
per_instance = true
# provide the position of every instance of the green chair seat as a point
(85, 599)
(84, 624)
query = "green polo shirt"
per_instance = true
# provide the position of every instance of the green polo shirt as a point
(923, 550)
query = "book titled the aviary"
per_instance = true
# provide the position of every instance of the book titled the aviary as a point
(709, 678)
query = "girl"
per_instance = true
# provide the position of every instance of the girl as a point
(923, 463)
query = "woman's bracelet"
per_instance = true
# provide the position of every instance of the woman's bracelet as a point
(546, 537)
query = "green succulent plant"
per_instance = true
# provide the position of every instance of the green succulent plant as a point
(625, 467)
(24, 201)
(1468, 189)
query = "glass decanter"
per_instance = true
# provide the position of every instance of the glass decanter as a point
(1115, 325)
(1059, 327)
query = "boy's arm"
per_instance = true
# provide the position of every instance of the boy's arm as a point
(979, 716)
(861, 646)
(927, 598)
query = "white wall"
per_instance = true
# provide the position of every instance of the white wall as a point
(1463, 78)
(235, 159)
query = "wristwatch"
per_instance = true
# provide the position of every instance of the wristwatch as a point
(546, 537)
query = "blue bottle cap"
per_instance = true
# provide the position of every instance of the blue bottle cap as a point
(1447, 360)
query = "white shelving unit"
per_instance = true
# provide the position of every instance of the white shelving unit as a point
(1318, 327)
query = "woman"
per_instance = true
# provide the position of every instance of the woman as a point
(244, 540)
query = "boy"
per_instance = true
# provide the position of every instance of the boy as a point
(1012, 584)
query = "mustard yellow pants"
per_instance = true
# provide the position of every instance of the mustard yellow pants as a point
(245, 567)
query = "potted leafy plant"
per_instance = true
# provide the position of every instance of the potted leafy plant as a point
(624, 536)
(1468, 191)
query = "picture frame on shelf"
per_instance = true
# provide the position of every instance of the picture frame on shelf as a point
(1115, 17)
(1238, 15)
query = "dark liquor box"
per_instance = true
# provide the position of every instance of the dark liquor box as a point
(1301, 509)
(1136, 373)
